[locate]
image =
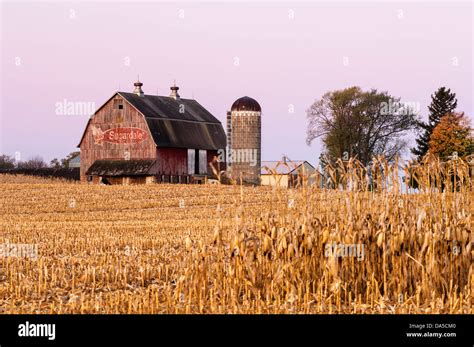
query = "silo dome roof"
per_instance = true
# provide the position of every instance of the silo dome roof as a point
(246, 103)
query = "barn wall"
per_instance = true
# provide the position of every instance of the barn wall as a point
(108, 118)
(172, 161)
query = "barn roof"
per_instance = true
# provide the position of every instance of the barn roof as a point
(281, 167)
(180, 123)
(166, 107)
(121, 167)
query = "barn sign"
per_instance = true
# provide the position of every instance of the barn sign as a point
(118, 135)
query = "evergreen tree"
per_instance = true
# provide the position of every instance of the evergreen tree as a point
(442, 103)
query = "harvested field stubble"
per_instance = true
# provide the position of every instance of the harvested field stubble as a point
(231, 249)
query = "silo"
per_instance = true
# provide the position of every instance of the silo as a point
(245, 140)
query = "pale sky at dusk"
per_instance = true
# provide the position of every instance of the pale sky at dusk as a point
(280, 53)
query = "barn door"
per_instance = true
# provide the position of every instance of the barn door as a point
(191, 161)
(197, 162)
(203, 162)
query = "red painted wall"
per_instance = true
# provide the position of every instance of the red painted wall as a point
(172, 161)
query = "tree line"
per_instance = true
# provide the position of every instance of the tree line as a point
(36, 162)
(353, 123)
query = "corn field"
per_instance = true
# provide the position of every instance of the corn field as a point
(376, 247)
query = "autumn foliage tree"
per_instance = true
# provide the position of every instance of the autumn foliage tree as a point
(453, 134)
(443, 101)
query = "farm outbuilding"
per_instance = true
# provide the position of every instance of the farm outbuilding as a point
(286, 173)
(75, 162)
(141, 138)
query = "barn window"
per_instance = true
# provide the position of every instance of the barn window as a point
(118, 104)
(89, 178)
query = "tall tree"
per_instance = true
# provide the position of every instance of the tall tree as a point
(443, 101)
(352, 122)
(452, 134)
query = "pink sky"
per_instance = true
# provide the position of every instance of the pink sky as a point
(288, 54)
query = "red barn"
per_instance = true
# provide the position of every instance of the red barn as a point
(138, 138)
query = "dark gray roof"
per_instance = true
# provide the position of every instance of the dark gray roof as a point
(166, 107)
(180, 123)
(183, 134)
(121, 167)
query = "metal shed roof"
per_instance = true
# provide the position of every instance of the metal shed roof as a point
(281, 167)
